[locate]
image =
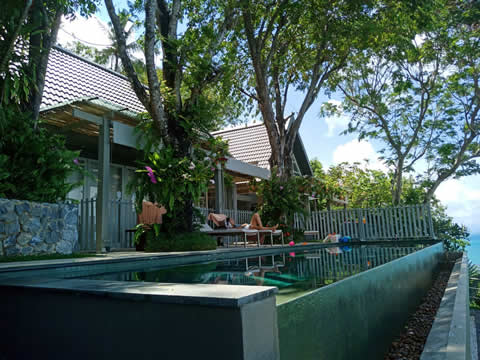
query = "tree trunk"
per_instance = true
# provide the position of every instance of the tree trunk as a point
(398, 183)
(40, 46)
(282, 160)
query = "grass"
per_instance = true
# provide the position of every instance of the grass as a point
(4, 259)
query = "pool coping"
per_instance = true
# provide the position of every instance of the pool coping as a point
(232, 296)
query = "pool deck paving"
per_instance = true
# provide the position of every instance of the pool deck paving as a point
(125, 256)
(475, 332)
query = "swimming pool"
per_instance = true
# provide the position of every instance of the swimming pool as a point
(323, 303)
(294, 273)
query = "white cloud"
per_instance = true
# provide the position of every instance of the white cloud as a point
(94, 32)
(336, 124)
(90, 31)
(358, 151)
(462, 198)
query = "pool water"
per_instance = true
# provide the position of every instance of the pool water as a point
(293, 273)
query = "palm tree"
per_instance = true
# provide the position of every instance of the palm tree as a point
(109, 55)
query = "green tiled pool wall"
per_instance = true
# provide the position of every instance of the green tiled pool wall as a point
(358, 317)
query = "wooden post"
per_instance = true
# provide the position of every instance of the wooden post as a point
(430, 221)
(219, 190)
(103, 236)
(206, 199)
(234, 200)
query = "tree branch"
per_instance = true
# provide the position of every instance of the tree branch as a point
(156, 104)
(127, 64)
(48, 42)
(11, 39)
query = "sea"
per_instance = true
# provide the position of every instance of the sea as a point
(474, 249)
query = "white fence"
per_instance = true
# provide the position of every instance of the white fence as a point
(389, 223)
(240, 216)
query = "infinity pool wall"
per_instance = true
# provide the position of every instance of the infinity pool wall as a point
(358, 317)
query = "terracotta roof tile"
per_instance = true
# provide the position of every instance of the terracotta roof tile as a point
(249, 144)
(70, 77)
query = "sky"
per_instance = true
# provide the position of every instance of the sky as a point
(321, 136)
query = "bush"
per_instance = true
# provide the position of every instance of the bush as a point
(281, 199)
(34, 164)
(195, 241)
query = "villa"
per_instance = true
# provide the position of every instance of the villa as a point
(96, 110)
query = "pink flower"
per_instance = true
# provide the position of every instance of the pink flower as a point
(153, 179)
(292, 254)
(76, 162)
(281, 187)
(151, 175)
(213, 169)
(291, 243)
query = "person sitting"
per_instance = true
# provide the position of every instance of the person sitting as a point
(256, 224)
(223, 221)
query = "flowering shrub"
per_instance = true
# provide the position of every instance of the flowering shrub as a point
(280, 200)
(171, 181)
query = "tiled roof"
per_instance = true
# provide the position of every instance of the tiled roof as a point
(70, 77)
(249, 144)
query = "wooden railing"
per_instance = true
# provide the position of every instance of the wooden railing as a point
(240, 216)
(389, 223)
(122, 217)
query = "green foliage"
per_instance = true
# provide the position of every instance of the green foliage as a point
(34, 164)
(361, 186)
(25, 39)
(289, 48)
(414, 91)
(110, 55)
(164, 178)
(367, 188)
(453, 235)
(474, 283)
(162, 242)
(281, 199)
(170, 181)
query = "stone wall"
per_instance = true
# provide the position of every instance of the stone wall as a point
(29, 228)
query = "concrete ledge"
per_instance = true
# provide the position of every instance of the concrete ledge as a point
(188, 294)
(76, 320)
(449, 337)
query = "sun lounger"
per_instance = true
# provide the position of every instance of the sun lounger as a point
(234, 231)
(272, 234)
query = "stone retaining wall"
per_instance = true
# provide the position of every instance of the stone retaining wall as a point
(29, 228)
